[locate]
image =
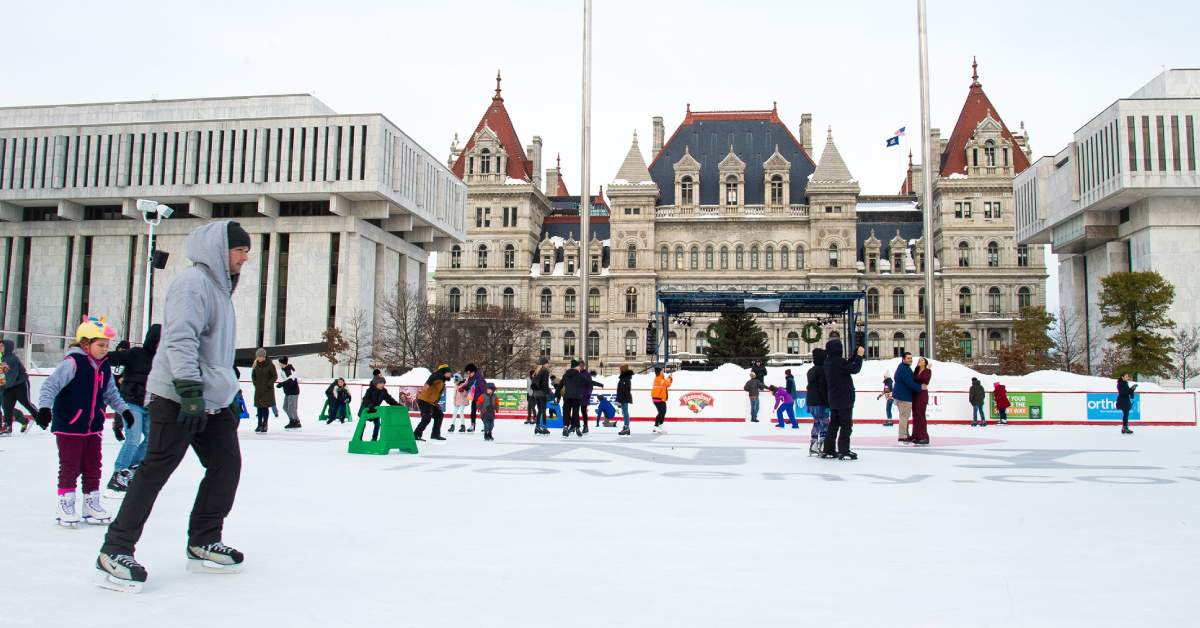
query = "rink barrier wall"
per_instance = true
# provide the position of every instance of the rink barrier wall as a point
(729, 405)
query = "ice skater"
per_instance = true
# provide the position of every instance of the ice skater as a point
(376, 396)
(191, 389)
(904, 388)
(487, 403)
(784, 404)
(920, 429)
(263, 376)
(541, 395)
(589, 385)
(429, 403)
(475, 385)
(135, 364)
(1125, 394)
(887, 395)
(572, 399)
(754, 387)
(79, 388)
(976, 395)
(1000, 398)
(290, 384)
(16, 390)
(337, 398)
(840, 385)
(658, 394)
(462, 400)
(816, 398)
(625, 396)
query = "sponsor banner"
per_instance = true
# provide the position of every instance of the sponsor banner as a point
(696, 402)
(1025, 406)
(1103, 407)
(801, 405)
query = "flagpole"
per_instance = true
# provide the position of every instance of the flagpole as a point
(585, 194)
(928, 172)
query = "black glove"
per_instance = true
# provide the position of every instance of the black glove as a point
(128, 416)
(44, 417)
(118, 431)
(191, 404)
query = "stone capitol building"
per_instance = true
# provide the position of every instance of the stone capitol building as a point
(734, 200)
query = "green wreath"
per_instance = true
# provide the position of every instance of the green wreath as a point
(811, 332)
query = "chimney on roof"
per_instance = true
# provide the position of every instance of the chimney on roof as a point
(806, 132)
(656, 146)
(938, 146)
(535, 156)
(551, 181)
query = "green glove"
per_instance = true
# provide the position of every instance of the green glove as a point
(191, 404)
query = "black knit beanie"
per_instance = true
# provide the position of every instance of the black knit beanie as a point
(237, 236)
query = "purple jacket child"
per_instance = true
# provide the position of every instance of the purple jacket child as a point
(784, 404)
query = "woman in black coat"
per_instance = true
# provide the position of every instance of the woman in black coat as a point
(625, 395)
(1125, 400)
(816, 400)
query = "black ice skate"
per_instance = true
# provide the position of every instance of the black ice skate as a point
(848, 455)
(624, 432)
(117, 485)
(214, 558)
(119, 572)
(828, 456)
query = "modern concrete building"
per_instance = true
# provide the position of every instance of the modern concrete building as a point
(342, 210)
(1123, 196)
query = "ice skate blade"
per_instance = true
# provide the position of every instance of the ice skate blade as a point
(111, 494)
(196, 565)
(108, 581)
(67, 524)
(94, 521)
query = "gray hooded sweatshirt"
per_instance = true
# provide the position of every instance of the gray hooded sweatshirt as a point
(199, 330)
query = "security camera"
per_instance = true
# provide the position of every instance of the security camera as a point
(165, 211)
(147, 206)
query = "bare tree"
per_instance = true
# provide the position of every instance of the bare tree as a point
(335, 345)
(358, 340)
(406, 331)
(1186, 343)
(1069, 351)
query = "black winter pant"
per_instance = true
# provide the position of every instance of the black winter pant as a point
(1124, 418)
(429, 412)
(841, 423)
(661, 416)
(219, 453)
(18, 393)
(539, 410)
(571, 409)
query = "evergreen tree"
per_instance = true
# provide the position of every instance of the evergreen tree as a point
(1136, 304)
(946, 335)
(1030, 348)
(737, 338)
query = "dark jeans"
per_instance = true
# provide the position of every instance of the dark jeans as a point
(488, 423)
(977, 411)
(473, 410)
(1124, 418)
(336, 412)
(1003, 414)
(13, 395)
(263, 415)
(539, 410)
(429, 412)
(841, 423)
(78, 455)
(571, 413)
(661, 416)
(219, 454)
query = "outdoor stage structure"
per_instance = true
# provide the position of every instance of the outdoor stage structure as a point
(832, 307)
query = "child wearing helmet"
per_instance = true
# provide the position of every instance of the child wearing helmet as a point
(73, 399)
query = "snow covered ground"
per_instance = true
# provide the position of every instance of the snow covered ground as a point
(709, 525)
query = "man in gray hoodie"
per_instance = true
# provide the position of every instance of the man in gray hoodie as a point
(189, 392)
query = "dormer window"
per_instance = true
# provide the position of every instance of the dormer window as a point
(776, 190)
(731, 190)
(687, 193)
(485, 161)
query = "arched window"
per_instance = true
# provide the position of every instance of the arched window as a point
(776, 190)
(708, 257)
(631, 255)
(695, 258)
(739, 257)
(731, 190)
(631, 304)
(509, 299)
(724, 258)
(569, 302)
(964, 254)
(544, 344)
(921, 302)
(964, 301)
(1024, 298)
(481, 298)
(593, 344)
(898, 302)
(510, 256)
(873, 345)
(1022, 255)
(995, 340)
(784, 252)
(964, 343)
(799, 258)
(754, 257)
(673, 342)
(833, 255)
(546, 302)
(678, 257)
(769, 259)
(921, 344)
(569, 344)
(793, 343)
(687, 192)
(898, 344)
(872, 302)
(455, 300)
(701, 343)
(631, 344)
(994, 300)
(664, 258)
(485, 161)
(993, 253)
(594, 301)
(481, 256)
(456, 256)
(989, 153)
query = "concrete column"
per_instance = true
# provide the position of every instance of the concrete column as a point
(12, 310)
(268, 313)
(74, 300)
(339, 204)
(10, 212)
(60, 152)
(268, 206)
(191, 147)
(139, 288)
(199, 207)
(70, 211)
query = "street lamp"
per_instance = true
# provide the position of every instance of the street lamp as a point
(153, 213)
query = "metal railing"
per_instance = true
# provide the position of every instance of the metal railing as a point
(718, 211)
(42, 351)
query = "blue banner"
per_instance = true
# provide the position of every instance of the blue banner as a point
(801, 406)
(1103, 407)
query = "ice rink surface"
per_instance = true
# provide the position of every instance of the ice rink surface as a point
(708, 525)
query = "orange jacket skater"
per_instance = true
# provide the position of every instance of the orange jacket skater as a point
(658, 394)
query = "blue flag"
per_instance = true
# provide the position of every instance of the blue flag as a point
(893, 141)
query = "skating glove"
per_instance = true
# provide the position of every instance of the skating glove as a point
(118, 431)
(44, 417)
(191, 404)
(128, 416)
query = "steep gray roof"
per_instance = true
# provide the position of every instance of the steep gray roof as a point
(831, 168)
(633, 170)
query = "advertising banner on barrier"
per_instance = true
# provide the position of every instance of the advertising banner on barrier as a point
(1025, 406)
(1103, 407)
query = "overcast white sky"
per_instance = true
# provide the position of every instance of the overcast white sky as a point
(430, 66)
